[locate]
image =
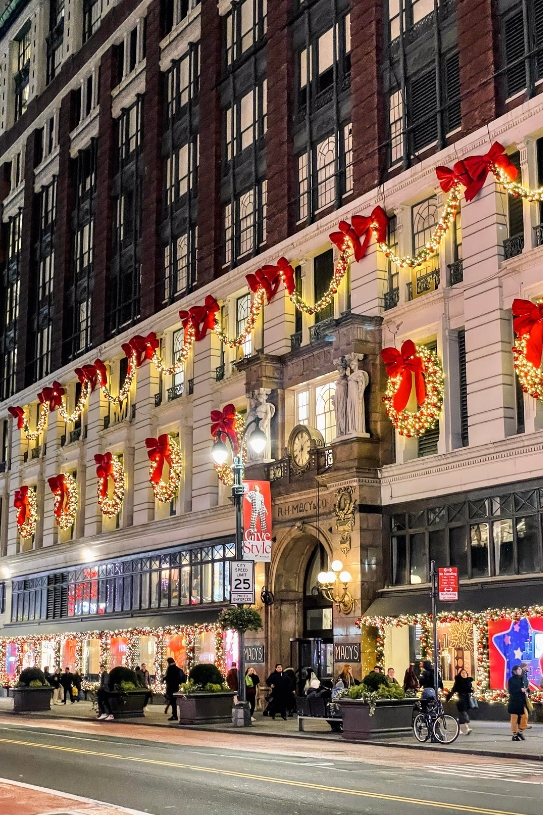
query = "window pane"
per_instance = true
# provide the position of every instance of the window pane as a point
(399, 561)
(418, 558)
(326, 167)
(479, 550)
(196, 584)
(438, 547)
(504, 561)
(458, 546)
(326, 51)
(207, 582)
(185, 585)
(527, 544)
(302, 407)
(324, 411)
(155, 582)
(218, 584)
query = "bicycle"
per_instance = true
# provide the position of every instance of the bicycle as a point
(433, 723)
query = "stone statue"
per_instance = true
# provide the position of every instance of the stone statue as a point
(340, 397)
(357, 384)
(261, 409)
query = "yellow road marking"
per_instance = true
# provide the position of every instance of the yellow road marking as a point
(268, 779)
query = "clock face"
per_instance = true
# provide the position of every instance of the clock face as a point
(300, 448)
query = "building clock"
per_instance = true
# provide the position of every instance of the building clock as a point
(301, 441)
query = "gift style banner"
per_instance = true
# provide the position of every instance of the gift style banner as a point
(257, 521)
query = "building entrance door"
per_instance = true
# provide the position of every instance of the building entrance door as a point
(312, 653)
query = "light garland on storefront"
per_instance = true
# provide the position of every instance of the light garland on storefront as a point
(71, 418)
(340, 269)
(179, 363)
(110, 467)
(161, 451)
(257, 304)
(224, 471)
(127, 384)
(64, 488)
(530, 377)
(409, 423)
(27, 511)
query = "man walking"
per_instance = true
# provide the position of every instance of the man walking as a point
(66, 680)
(102, 697)
(172, 678)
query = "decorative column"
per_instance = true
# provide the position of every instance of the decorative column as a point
(529, 178)
(205, 484)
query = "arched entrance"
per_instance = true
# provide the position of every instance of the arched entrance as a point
(301, 625)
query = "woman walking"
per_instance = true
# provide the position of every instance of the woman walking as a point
(463, 687)
(517, 703)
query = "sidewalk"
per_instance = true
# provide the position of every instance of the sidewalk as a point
(486, 739)
(25, 799)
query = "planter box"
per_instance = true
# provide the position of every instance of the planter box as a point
(128, 705)
(30, 700)
(390, 718)
(204, 708)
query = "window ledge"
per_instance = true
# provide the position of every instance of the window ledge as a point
(44, 172)
(14, 201)
(84, 132)
(126, 91)
(175, 44)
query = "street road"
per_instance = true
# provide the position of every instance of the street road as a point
(257, 776)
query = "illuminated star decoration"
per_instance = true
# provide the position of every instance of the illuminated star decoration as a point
(516, 645)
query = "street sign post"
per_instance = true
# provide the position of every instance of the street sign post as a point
(448, 584)
(242, 582)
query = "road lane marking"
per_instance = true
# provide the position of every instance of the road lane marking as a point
(381, 796)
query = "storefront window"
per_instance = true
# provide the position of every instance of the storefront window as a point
(177, 648)
(458, 544)
(418, 558)
(118, 651)
(527, 544)
(48, 655)
(148, 652)
(67, 653)
(502, 533)
(511, 642)
(204, 647)
(11, 660)
(456, 650)
(438, 547)
(399, 560)
(479, 550)
(91, 657)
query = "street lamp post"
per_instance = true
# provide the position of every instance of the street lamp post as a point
(257, 441)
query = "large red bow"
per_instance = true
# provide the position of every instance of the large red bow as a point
(201, 318)
(141, 347)
(20, 502)
(447, 178)
(360, 226)
(60, 489)
(158, 450)
(267, 278)
(88, 373)
(101, 371)
(379, 223)
(104, 470)
(404, 363)
(529, 321)
(52, 396)
(472, 171)
(224, 421)
(19, 414)
(285, 272)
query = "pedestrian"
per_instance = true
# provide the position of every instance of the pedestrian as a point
(77, 681)
(427, 680)
(252, 682)
(391, 678)
(281, 691)
(102, 697)
(410, 681)
(139, 675)
(463, 687)
(347, 678)
(145, 676)
(66, 680)
(290, 675)
(232, 680)
(57, 687)
(172, 678)
(517, 703)
(526, 684)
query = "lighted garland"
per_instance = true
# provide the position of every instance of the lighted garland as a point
(27, 528)
(412, 424)
(71, 418)
(530, 377)
(256, 306)
(224, 471)
(65, 503)
(184, 354)
(110, 505)
(41, 424)
(127, 384)
(515, 189)
(340, 268)
(166, 492)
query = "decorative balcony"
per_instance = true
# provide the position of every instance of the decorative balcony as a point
(322, 331)
(295, 341)
(538, 235)
(219, 373)
(392, 298)
(175, 391)
(428, 282)
(456, 272)
(191, 386)
(513, 246)
(158, 399)
(409, 291)
(35, 452)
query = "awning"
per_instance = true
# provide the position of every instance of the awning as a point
(191, 616)
(476, 597)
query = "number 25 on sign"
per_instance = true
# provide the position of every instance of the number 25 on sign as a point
(242, 582)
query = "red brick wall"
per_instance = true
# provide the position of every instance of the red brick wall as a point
(479, 60)
(209, 252)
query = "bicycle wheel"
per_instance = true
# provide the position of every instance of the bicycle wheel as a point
(446, 729)
(421, 728)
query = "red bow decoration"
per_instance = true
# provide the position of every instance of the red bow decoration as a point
(224, 421)
(104, 470)
(285, 271)
(20, 502)
(158, 450)
(101, 371)
(267, 278)
(380, 219)
(447, 178)
(141, 347)
(529, 321)
(360, 226)
(472, 171)
(59, 487)
(404, 363)
(201, 318)
(88, 373)
(19, 414)
(52, 396)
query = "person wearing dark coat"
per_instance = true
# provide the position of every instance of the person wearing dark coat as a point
(463, 687)
(66, 681)
(427, 682)
(77, 681)
(172, 678)
(281, 692)
(102, 697)
(517, 703)
(290, 676)
(410, 681)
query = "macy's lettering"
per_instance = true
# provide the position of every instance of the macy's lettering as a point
(301, 508)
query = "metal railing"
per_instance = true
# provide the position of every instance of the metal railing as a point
(295, 341)
(456, 272)
(158, 399)
(75, 434)
(392, 298)
(219, 373)
(513, 246)
(538, 235)
(175, 391)
(321, 331)
(428, 282)
(191, 386)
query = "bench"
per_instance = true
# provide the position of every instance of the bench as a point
(315, 707)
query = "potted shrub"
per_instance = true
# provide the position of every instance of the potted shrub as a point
(205, 698)
(126, 696)
(32, 692)
(370, 713)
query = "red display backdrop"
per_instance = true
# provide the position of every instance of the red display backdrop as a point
(257, 521)
(511, 642)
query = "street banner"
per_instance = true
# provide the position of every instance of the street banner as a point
(242, 582)
(448, 584)
(257, 521)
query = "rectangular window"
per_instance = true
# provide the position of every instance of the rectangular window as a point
(326, 171)
(243, 306)
(245, 223)
(302, 407)
(504, 556)
(515, 217)
(178, 379)
(92, 17)
(463, 391)
(458, 549)
(418, 558)
(422, 111)
(528, 548)
(245, 25)
(479, 550)
(324, 411)
(323, 271)
(348, 158)
(22, 74)
(9, 313)
(303, 187)
(395, 118)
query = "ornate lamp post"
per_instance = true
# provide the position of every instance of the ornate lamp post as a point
(341, 597)
(220, 453)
